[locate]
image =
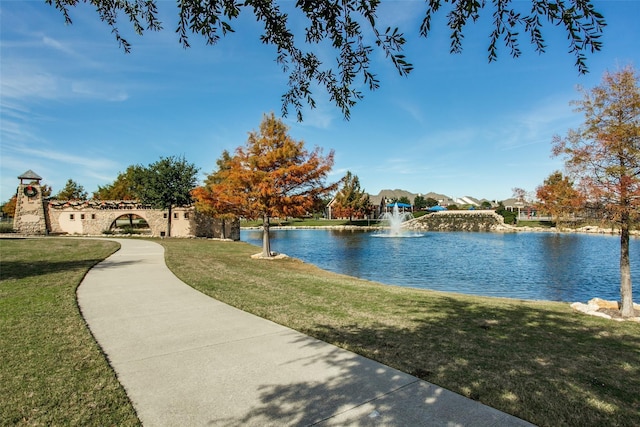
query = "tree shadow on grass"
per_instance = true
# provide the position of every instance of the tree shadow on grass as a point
(16, 270)
(548, 367)
(345, 389)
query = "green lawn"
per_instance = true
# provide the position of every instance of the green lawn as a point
(52, 372)
(537, 360)
(534, 223)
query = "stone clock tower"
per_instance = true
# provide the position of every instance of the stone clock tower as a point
(30, 216)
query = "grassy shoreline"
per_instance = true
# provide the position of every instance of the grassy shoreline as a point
(537, 360)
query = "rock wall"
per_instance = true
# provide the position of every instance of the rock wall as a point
(206, 226)
(96, 217)
(458, 221)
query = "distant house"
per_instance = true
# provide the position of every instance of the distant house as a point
(397, 194)
(468, 200)
(379, 202)
(524, 208)
(442, 199)
(513, 204)
(491, 203)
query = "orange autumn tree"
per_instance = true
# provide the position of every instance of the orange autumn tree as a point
(605, 154)
(351, 199)
(273, 175)
(9, 208)
(204, 199)
(558, 197)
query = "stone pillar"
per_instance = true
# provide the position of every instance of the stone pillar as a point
(30, 216)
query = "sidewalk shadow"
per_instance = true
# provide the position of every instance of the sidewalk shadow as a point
(504, 357)
(362, 393)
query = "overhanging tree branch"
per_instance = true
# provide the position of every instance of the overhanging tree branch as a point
(347, 24)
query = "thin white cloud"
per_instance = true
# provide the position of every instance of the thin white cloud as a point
(14, 110)
(435, 142)
(413, 109)
(17, 83)
(538, 124)
(24, 81)
(98, 90)
(89, 162)
(321, 117)
(48, 41)
(13, 131)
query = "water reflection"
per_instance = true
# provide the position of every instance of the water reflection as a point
(557, 267)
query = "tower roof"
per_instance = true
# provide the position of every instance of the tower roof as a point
(30, 175)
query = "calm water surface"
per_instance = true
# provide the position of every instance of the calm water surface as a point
(541, 266)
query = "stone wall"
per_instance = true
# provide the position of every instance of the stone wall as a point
(458, 221)
(96, 217)
(206, 226)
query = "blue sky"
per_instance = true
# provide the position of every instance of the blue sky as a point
(73, 105)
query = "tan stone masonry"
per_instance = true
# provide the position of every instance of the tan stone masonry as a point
(37, 216)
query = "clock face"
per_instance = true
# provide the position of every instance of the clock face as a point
(30, 191)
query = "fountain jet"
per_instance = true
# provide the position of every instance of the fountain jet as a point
(394, 220)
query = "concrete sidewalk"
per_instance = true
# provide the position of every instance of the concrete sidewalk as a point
(186, 359)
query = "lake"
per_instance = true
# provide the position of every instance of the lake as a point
(523, 265)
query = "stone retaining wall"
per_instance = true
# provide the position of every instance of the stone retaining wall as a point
(458, 221)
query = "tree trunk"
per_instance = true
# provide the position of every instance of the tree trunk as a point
(169, 223)
(626, 297)
(222, 229)
(266, 243)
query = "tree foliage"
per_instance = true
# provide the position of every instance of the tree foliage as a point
(520, 194)
(604, 153)
(404, 199)
(431, 202)
(486, 205)
(419, 202)
(558, 197)
(125, 187)
(510, 217)
(203, 196)
(167, 183)
(271, 176)
(72, 191)
(9, 207)
(46, 190)
(350, 200)
(351, 27)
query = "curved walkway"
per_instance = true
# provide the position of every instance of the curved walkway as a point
(186, 359)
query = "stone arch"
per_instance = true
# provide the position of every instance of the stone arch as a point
(150, 216)
(95, 217)
(129, 221)
(38, 215)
